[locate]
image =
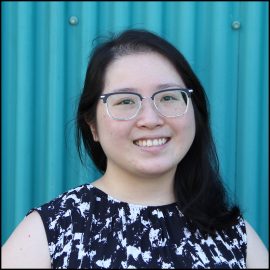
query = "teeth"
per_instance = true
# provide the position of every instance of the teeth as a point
(149, 143)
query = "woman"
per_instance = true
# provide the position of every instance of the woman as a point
(143, 119)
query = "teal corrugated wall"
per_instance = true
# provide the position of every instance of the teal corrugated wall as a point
(44, 58)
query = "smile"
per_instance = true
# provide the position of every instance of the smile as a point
(151, 142)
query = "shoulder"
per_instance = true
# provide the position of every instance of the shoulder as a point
(69, 207)
(27, 246)
(31, 243)
(257, 253)
(66, 203)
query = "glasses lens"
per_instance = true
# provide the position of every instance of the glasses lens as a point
(171, 103)
(123, 105)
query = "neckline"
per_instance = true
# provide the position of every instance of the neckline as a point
(132, 205)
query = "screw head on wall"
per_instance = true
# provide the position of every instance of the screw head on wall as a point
(73, 20)
(236, 25)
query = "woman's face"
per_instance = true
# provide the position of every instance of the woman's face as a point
(122, 141)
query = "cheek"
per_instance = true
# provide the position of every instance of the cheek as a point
(191, 126)
(190, 120)
(186, 130)
(103, 123)
(110, 131)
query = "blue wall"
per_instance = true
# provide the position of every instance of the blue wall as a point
(44, 59)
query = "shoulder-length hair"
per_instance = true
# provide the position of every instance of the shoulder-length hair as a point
(198, 186)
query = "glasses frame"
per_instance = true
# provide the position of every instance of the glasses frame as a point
(105, 97)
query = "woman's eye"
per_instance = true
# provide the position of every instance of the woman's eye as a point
(168, 98)
(126, 102)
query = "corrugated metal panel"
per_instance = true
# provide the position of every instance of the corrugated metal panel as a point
(44, 59)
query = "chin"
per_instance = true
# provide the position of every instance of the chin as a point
(155, 171)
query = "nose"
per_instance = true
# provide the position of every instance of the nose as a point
(148, 116)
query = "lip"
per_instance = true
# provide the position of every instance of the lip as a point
(152, 148)
(152, 137)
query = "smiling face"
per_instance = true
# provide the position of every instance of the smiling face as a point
(149, 144)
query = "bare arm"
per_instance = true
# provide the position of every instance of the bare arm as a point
(257, 253)
(27, 247)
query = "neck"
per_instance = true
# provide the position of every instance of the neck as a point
(149, 190)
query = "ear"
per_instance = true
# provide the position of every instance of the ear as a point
(94, 132)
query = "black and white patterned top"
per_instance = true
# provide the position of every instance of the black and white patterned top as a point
(86, 228)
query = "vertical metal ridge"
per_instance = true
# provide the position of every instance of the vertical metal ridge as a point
(24, 106)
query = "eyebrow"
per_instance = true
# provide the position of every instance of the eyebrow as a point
(168, 85)
(124, 90)
(158, 87)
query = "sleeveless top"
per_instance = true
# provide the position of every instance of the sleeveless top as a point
(87, 228)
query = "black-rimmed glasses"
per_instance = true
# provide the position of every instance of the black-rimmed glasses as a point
(126, 105)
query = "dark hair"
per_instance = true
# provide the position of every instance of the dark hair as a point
(199, 190)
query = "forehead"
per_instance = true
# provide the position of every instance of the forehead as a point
(140, 70)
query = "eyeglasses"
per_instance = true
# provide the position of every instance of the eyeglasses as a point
(126, 105)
